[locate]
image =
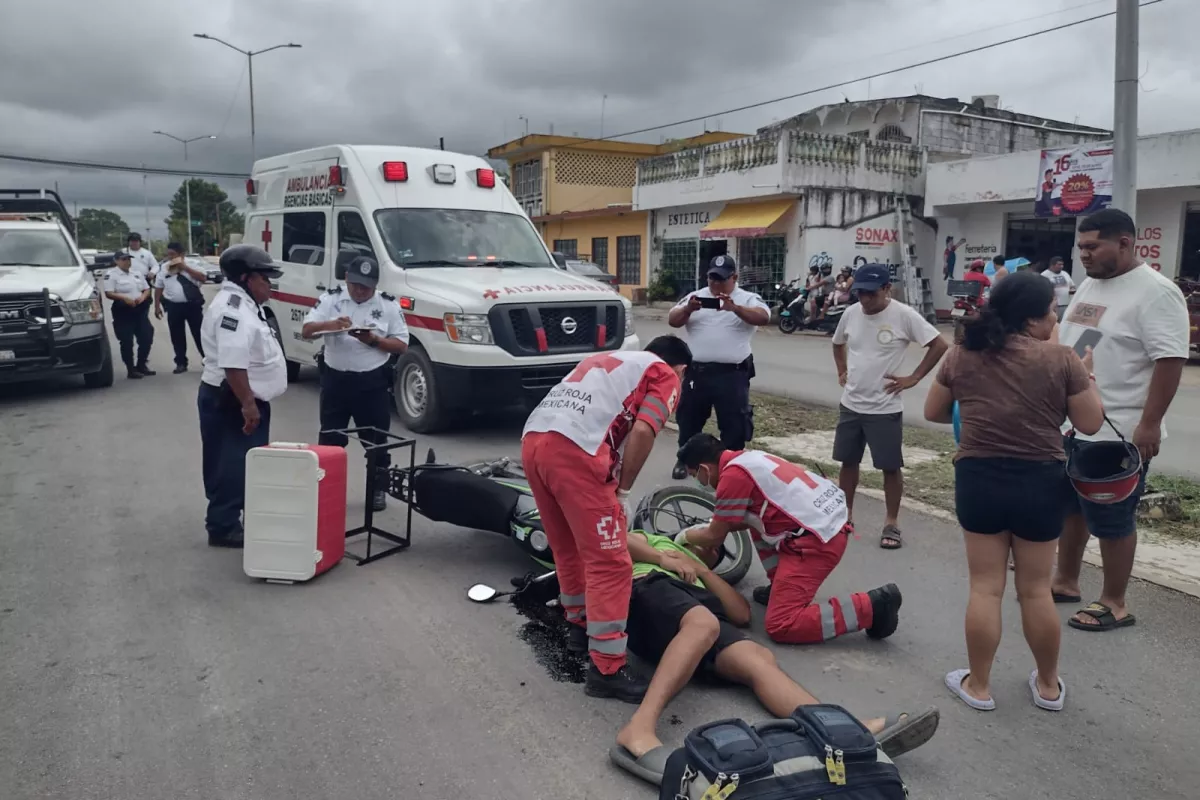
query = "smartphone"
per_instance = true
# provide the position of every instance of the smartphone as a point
(1089, 338)
(359, 331)
(710, 302)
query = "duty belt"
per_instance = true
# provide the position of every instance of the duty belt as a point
(715, 366)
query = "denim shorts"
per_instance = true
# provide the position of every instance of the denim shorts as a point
(1114, 521)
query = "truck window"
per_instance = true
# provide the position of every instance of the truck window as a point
(447, 236)
(304, 237)
(35, 248)
(352, 234)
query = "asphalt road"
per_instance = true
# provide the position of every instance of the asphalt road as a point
(137, 663)
(800, 366)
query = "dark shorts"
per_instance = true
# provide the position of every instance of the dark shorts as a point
(883, 433)
(993, 495)
(1114, 521)
(656, 608)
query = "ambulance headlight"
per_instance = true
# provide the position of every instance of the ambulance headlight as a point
(468, 328)
(628, 322)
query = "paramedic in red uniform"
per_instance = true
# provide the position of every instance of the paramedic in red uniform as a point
(800, 526)
(582, 449)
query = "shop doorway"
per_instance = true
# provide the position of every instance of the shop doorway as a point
(1039, 240)
(1189, 263)
(709, 249)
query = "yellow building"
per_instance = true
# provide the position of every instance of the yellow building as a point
(579, 194)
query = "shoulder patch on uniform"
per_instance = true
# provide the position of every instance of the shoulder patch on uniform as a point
(235, 302)
(229, 323)
(388, 297)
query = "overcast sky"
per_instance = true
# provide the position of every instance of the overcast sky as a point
(90, 79)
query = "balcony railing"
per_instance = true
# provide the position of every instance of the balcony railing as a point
(845, 151)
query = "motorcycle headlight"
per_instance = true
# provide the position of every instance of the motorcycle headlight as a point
(88, 310)
(628, 322)
(468, 328)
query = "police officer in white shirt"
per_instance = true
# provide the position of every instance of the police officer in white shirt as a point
(131, 296)
(720, 321)
(145, 264)
(177, 288)
(363, 331)
(244, 370)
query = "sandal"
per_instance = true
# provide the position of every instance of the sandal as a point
(1105, 619)
(890, 538)
(905, 732)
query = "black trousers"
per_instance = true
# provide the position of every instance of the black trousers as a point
(180, 318)
(364, 397)
(724, 387)
(224, 448)
(130, 325)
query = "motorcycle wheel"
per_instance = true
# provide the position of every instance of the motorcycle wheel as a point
(669, 510)
(787, 325)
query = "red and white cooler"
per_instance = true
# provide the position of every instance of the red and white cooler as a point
(295, 517)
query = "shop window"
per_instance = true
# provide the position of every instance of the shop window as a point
(600, 252)
(527, 186)
(678, 263)
(304, 237)
(568, 247)
(629, 260)
(761, 264)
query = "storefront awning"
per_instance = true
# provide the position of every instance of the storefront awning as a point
(746, 220)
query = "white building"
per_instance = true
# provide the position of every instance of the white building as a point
(990, 203)
(826, 182)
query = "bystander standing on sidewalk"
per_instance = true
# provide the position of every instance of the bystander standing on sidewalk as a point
(1136, 323)
(1063, 283)
(868, 349)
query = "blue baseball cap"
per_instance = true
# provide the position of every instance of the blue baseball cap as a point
(872, 277)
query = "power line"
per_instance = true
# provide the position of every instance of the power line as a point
(51, 162)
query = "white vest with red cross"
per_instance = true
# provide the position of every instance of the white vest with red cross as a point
(817, 505)
(586, 403)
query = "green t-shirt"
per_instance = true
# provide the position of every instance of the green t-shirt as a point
(663, 544)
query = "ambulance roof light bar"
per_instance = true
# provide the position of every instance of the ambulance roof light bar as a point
(485, 178)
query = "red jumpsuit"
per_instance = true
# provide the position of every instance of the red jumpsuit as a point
(571, 452)
(799, 562)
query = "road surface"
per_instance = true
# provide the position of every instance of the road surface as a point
(137, 663)
(800, 366)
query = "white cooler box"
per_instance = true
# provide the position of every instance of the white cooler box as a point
(295, 518)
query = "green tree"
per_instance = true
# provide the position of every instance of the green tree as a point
(214, 216)
(101, 229)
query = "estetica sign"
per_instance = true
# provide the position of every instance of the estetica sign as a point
(688, 218)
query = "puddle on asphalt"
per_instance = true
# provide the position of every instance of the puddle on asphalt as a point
(546, 633)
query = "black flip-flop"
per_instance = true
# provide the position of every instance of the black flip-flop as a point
(1059, 597)
(890, 538)
(649, 767)
(905, 731)
(1105, 619)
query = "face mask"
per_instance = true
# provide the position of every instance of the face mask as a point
(703, 483)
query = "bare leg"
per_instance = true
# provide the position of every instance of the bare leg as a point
(1070, 555)
(753, 665)
(893, 491)
(698, 631)
(1117, 555)
(848, 482)
(1039, 619)
(987, 560)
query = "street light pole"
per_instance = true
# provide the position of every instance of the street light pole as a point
(187, 182)
(1125, 109)
(249, 54)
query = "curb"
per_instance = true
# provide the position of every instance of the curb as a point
(1145, 567)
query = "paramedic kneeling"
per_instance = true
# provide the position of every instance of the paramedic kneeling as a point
(799, 523)
(365, 329)
(244, 371)
(583, 448)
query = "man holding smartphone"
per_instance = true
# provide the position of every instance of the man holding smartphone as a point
(720, 321)
(363, 329)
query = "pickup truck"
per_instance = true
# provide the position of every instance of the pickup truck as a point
(51, 315)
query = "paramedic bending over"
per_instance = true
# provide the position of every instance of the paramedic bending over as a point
(583, 448)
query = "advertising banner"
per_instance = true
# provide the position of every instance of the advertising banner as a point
(1074, 181)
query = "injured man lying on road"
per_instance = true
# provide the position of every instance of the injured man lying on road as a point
(685, 618)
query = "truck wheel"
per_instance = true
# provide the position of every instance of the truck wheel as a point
(293, 367)
(103, 377)
(417, 399)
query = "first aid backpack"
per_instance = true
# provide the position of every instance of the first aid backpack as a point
(820, 752)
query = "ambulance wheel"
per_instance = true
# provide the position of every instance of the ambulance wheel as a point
(669, 510)
(417, 400)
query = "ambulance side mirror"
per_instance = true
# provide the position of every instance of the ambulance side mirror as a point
(344, 257)
(560, 259)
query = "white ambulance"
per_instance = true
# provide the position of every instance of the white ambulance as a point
(492, 320)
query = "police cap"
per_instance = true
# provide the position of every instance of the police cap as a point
(364, 271)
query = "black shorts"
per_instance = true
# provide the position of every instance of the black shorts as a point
(993, 495)
(657, 607)
(883, 433)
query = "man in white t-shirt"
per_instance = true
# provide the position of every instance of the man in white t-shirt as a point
(1064, 285)
(1141, 321)
(720, 321)
(868, 349)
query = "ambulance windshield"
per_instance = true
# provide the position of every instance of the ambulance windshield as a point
(449, 237)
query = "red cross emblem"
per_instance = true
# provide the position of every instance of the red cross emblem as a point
(266, 235)
(490, 294)
(787, 472)
(606, 363)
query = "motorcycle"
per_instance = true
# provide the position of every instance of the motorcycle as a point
(494, 496)
(791, 305)
(968, 301)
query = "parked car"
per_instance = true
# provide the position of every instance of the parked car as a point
(586, 269)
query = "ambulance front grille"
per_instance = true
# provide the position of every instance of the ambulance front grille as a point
(564, 328)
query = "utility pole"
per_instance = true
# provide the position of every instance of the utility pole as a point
(603, 103)
(1125, 109)
(187, 182)
(217, 249)
(146, 205)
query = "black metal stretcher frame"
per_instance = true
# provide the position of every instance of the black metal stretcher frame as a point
(373, 450)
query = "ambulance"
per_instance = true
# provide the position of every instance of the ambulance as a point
(492, 320)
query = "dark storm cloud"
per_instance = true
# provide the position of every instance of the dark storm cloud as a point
(89, 80)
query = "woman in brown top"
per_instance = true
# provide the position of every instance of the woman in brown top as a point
(1014, 389)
